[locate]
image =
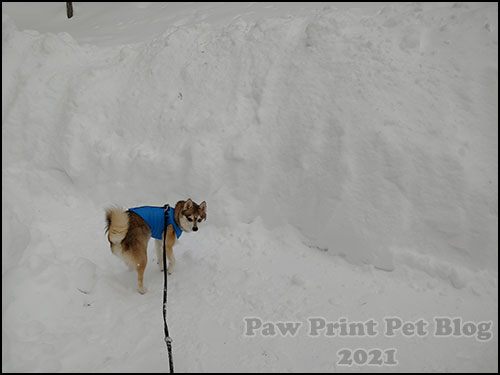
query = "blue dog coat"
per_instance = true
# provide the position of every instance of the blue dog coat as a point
(155, 218)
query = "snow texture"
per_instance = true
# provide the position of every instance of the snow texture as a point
(332, 143)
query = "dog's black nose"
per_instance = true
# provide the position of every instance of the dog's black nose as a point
(195, 228)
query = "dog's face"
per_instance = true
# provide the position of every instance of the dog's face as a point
(192, 215)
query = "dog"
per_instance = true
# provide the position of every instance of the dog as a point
(130, 231)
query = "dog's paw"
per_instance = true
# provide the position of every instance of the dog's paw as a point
(169, 270)
(170, 266)
(142, 290)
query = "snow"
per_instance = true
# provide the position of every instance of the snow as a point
(347, 153)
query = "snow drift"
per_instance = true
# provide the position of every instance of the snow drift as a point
(367, 140)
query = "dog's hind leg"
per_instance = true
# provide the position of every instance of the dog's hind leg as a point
(141, 266)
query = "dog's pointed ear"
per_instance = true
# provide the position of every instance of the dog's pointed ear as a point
(188, 204)
(203, 207)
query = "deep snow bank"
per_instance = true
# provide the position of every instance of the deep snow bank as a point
(375, 136)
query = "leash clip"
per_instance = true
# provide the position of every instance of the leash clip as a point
(168, 339)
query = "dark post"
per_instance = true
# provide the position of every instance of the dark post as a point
(69, 9)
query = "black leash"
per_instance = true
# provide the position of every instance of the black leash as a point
(168, 340)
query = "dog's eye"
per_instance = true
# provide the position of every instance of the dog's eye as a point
(189, 219)
(199, 220)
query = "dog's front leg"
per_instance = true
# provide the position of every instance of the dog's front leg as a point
(159, 253)
(169, 244)
(171, 259)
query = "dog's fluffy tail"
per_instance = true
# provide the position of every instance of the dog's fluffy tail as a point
(116, 225)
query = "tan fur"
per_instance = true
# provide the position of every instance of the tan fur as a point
(129, 234)
(119, 227)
